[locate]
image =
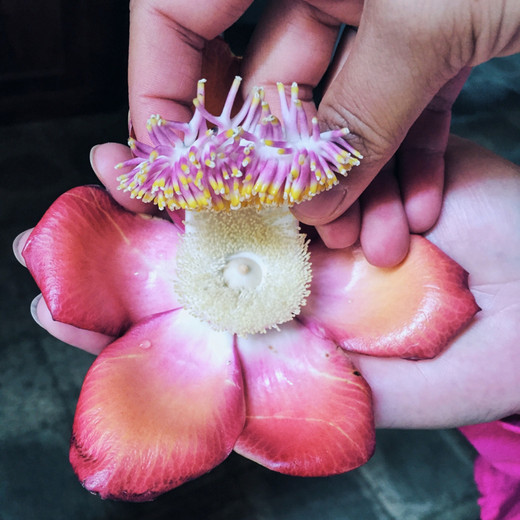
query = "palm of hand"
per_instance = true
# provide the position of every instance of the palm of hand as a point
(476, 378)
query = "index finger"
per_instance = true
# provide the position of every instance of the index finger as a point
(165, 54)
(294, 42)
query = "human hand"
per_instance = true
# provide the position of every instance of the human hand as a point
(404, 71)
(476, 378)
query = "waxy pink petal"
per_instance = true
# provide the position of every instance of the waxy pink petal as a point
(100, 267)
(161, 405)
(411, 310)
(308, 410)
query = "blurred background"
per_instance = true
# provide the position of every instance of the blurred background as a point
(63, 90)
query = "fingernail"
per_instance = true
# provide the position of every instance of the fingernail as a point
(16, 246)
(91, 155)
(130, 125)
(34, 309)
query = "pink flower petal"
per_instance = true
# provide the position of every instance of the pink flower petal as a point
(161, 405)
(308, 411)
(412, 310)
(100, 267)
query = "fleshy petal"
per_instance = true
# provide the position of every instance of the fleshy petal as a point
(161, 405)
(308, 410)
(100, 267)
(411, 310)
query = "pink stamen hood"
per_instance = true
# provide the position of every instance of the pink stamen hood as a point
(231, 161)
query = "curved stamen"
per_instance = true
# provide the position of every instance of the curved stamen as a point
(250, 159)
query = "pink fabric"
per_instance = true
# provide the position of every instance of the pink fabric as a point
(497, 468)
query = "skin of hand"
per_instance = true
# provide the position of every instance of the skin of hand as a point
(476, 378)
(405, 68)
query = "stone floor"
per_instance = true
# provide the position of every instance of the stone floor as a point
(415, 475)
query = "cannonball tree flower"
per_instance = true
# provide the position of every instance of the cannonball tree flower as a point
(232, 333)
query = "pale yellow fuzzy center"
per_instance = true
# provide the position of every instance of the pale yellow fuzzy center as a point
(243, 271)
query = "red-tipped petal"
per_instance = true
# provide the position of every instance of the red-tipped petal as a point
(161, 405)
(308, 411)
(411, 310)
(100, 267)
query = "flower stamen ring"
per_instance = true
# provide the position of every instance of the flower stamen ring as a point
(250, 159)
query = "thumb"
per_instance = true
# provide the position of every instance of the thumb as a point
(383, 80)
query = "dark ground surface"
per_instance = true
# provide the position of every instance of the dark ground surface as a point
(415, 475)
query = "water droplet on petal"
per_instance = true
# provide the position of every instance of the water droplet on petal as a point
(145, 344)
